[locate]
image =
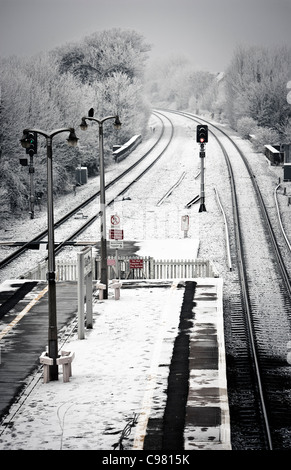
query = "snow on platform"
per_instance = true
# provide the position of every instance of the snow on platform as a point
(207, 424)
(175, 248)
(130, 339)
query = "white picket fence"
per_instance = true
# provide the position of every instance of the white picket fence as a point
(66, 270)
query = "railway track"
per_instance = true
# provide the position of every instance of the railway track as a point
(138, 169)
(258, 374)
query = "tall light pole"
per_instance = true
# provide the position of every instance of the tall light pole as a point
(51, 276)
(103, 251)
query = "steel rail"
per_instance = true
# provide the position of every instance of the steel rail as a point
(92, 219)
(280, 218)
(241, 264)
(81, 229)
(262, 205)
(169, 192)
(13, 256)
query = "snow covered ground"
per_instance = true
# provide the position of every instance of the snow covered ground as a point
(116, 367)
(111, 376)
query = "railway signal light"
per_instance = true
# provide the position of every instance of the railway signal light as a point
(32, 143)
(202, 134)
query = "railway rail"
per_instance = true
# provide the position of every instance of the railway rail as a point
(256, 364)
(258, 378)
(147, 162)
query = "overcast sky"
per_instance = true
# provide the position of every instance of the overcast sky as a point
(205, 30)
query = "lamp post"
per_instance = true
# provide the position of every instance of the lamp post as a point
(103, 250)
(51, 277)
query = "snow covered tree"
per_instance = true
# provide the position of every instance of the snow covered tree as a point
(101, 54)
(15, 92)
(174, 82)
(256, 86)
(56, 89)
(111, 63)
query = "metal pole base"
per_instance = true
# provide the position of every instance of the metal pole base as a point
(202, 208)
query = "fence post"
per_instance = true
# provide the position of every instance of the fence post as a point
(89, 300)
(151, 267)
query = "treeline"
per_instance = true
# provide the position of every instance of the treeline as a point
(107, 71)
(53, 90)
(250, 95)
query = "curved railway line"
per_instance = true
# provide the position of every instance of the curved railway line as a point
(83, 226)
(259, 297)
(264, 412)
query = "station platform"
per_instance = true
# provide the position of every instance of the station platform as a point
(24, 330)
(207, 424)
(113, 356)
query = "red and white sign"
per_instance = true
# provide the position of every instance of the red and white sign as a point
(110, 262)
(115, 234)
(115, 220)
(136, 264)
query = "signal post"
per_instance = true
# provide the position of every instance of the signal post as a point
(202, 138)
(31, 150)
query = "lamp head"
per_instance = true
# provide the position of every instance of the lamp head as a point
(72, 139)
(83, 125)
(117, 123)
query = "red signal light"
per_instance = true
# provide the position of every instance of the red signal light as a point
(202, 134)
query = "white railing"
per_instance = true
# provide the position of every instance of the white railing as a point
(66, 270)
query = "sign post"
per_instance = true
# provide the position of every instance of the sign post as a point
(185, 225)
(116, 239)
(84, 266)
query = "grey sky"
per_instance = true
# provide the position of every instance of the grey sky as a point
(206, 30)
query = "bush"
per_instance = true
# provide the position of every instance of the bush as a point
(246, 126)
(265, 136)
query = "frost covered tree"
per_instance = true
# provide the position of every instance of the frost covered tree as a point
(33, 95)
(101, 54)
(15, 89)
(53, 90)
(256, 86)
(176, 83)
(112, 63)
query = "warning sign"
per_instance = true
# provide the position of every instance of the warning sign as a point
(136, 264)
(115, 220)
(115, 234)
